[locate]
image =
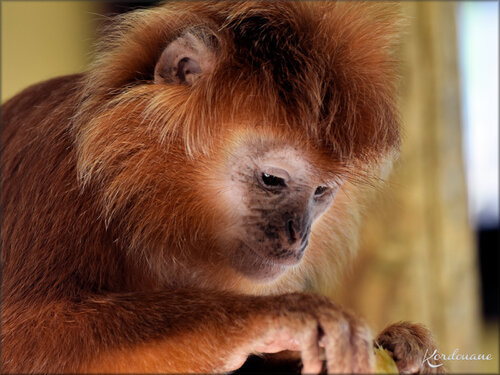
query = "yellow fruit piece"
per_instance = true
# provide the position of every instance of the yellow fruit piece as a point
(384, 364)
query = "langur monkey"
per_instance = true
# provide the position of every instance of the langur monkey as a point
(173, 208)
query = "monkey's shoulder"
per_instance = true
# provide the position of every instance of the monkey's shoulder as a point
(42, 97)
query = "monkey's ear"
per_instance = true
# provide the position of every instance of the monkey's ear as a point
(184, 60)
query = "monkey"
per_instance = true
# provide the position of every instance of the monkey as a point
(173, 208)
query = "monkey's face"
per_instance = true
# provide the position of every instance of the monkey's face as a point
(274, 195)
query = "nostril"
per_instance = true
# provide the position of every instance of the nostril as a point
(290, 230)
(305, 234)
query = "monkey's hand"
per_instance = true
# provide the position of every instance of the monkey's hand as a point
(412, 347)
(310, 324)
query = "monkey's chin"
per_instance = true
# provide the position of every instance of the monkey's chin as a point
(265, 272)
(262, 268)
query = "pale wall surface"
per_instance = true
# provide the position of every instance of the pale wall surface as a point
(44, 39)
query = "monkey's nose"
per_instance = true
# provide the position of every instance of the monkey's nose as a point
(297, 234)
(291, 231)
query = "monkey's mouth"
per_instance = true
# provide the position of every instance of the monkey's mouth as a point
(267, 265)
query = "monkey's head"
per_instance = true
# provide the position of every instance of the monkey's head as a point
(219, 135)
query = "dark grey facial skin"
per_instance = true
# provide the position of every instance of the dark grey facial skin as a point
(280, 199)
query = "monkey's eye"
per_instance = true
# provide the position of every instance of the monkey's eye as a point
(320, 190)
(272, 181)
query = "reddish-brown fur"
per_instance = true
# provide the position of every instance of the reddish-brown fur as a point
(109, 258)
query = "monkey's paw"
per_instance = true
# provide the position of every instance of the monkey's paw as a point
(412, 347)
(319, 330)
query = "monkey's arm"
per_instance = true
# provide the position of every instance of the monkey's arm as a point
(177, 331)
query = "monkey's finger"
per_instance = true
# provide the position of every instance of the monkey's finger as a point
(310, 352)
(363, 357)
(337, 346)
(277, 344)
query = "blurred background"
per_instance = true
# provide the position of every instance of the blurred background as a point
(429, 246)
